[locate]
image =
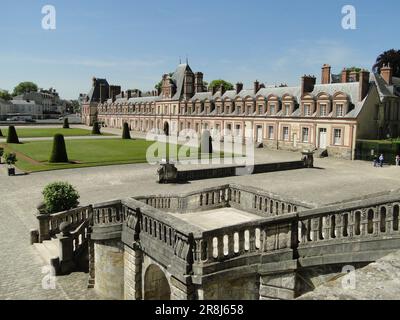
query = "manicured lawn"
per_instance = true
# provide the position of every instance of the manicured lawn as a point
(49, 132)
(33, 156)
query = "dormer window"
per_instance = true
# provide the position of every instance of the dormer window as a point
(307, 110)
(323, 110)
(287, 109)
(339, 110)
(272, 108)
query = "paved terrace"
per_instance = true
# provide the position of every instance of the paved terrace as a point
(333, 181)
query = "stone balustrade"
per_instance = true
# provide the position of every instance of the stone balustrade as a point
(49, 224)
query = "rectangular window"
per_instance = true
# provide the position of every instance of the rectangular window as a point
(270, 132)
(307, 110)
(260, 109)
(286, 133)
(339, 110)
(305, 134)
(337, 136)
(323, 110)
(272, 109)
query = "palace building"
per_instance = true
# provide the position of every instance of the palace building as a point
(329, 116)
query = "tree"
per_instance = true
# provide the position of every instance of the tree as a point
(125, 132)
(5, 95)
(391, 57)
(66, 123)
(12, 136)
(217, 83)
(59, 151)
(25, 87)
(60, 196)
(96, 128)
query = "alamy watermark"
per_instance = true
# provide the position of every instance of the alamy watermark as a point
(349, 20)
(49, 19)
(49, 280)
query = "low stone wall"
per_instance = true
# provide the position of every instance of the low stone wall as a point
(212, 173)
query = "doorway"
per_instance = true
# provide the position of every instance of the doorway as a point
(322, 138)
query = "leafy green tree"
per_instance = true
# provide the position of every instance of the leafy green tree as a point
(60, 196)
(12, 136)
(25, 87)
(217, 83)
(5, 95)
(59, 151)
(10, 158)
(391, 57)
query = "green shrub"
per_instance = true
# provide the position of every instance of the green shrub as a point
(10, 158)
(12, 136)
(60, 196)
(125, 132)
(96, 128)
(66, 123)
(59, 151)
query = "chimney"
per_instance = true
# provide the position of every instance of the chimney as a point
(122, 94)
(326, 74)
(222, 89)
(128, 94)
(198, 82)
(239, 87)
(345, 75)
(387, 74)
(256, 86)
(363, 84)
(354, 76)
(307, 84)
(114, 91)
(94, 81)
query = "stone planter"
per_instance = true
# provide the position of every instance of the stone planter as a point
(11, 171)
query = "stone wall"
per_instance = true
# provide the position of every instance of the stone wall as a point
(241, 288)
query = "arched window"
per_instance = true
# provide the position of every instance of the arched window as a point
(396, 218)
(357, 223)
(383, 220)
(333, 227)
(370, 221)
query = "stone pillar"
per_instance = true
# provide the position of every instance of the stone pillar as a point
(133, 258)
(44, 227)
(66, 249)
(278, 286)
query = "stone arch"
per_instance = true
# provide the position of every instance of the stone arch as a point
(156, 285)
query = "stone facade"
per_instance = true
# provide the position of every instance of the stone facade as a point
(328, 116)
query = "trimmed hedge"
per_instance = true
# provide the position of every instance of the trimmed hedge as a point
(66, 123)
(96, 128)
(12, 136)
(368, 149)
(59, 152)
(125, 132)
(60, 196)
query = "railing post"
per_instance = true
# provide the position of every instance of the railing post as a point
(44, 227)
(66, 249)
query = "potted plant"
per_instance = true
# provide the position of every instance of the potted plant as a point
(10, 158)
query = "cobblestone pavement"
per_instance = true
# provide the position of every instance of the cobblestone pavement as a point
(20, 265)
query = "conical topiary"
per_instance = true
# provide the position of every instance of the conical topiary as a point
(59, 152)
(125, 132)
(66, 123)
(1, 133)
(96, 128)
(12, 136)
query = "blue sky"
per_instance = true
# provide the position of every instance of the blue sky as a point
(132, 43)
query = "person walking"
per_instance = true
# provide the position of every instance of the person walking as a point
(398, 160)
(375, 161)
(381, 159)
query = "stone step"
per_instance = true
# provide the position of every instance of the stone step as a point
(47, 250)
